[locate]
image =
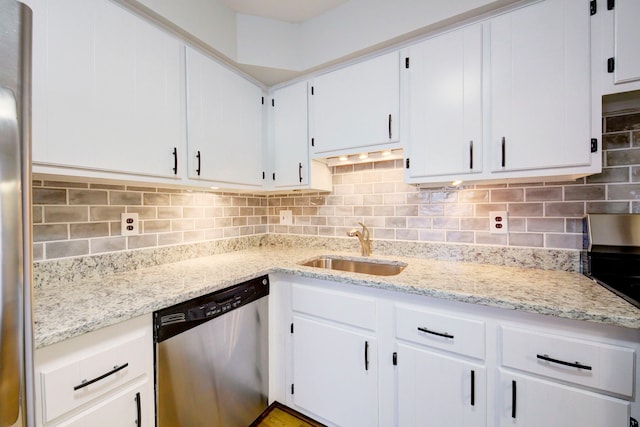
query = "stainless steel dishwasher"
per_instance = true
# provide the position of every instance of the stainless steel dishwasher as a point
(211, 358)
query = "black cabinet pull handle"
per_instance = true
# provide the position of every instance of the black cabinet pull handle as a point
(199, 163)
(440, 334)
(300, 171)
(513, 399)
(562, 362)
(85, 383)
(471, 154)
(175, 160)
(390, 121)
(366, 355)
(504, 151)
(138, 410)
(473, 388)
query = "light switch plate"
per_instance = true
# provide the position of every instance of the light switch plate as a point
(129, 224)
(286, 217)
(499, 222)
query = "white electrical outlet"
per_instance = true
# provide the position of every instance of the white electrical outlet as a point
(286, 217)
(498, 222)
(129, 224)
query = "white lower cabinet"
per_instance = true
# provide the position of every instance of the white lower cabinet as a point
(103, 378)
(334, 353)
(436, 389)
(434, 362)
(123, 409)
(334, 371)
(529, 401)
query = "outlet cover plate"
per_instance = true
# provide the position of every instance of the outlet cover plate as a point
(129, 224)
(286, 217)
(499, 222)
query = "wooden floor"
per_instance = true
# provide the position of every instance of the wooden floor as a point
(278, 415)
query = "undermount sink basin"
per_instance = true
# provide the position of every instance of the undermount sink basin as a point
(375, 267)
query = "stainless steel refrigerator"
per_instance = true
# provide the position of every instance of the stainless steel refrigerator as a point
(16, 340)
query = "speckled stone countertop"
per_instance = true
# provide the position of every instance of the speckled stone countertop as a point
(65, 310)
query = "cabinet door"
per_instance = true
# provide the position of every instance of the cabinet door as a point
(438, 390)
(122, 410)
(290, 132)
(357, 106)
(445, 104)
(106, 89)
(627, 34)
(527, 401)
(540, 87)
(224, 124)
(335, 373)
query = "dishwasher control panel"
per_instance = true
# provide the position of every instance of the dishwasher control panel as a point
(183, 316)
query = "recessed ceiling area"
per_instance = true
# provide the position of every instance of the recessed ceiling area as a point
(293, 11)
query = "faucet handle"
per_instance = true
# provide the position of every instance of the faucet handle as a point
(365, 231)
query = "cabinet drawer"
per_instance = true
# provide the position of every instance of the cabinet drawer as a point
(334, 305)
(451, 333)
(592, 364)
(92, 372)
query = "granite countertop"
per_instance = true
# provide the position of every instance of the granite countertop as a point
(65, 310)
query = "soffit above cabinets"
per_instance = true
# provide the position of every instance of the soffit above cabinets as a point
(293, 11)
(275, 41)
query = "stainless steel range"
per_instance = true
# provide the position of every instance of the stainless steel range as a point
(614, 253)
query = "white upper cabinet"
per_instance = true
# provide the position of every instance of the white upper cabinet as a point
(292, 167)
(541, 90)
(224, 124)
(619, 61)
(444, 118)
(357, 107)
(107, 91)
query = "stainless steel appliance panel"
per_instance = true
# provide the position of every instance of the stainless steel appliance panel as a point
(16, 388)
(216, 373)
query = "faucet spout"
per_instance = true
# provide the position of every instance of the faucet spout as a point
(364, 238)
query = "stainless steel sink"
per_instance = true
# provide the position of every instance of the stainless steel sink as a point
(375, 267)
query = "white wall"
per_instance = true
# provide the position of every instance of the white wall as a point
(269, 43)
(211, 21)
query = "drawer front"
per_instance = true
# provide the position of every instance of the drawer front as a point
(94, 372)
(592, 364)
(334, 305)
(451, 333)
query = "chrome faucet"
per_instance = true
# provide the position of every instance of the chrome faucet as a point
(365, 241)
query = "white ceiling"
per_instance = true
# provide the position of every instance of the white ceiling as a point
(294, 11)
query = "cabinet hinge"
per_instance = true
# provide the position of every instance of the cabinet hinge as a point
(611, 4)
(594, 145)
(395, 359)
(273, 102)
(263, 100)
(611, 65)
(406, 62)
(313, 142)
(408, 163)
(593, 7)
(291, 388)
(312, 90)
(292, 328)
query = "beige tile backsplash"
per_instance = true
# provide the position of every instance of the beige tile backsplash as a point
(73, 219)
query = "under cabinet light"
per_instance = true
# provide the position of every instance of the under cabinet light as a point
(368, 157)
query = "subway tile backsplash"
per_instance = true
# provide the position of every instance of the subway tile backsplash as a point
(73, 219)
